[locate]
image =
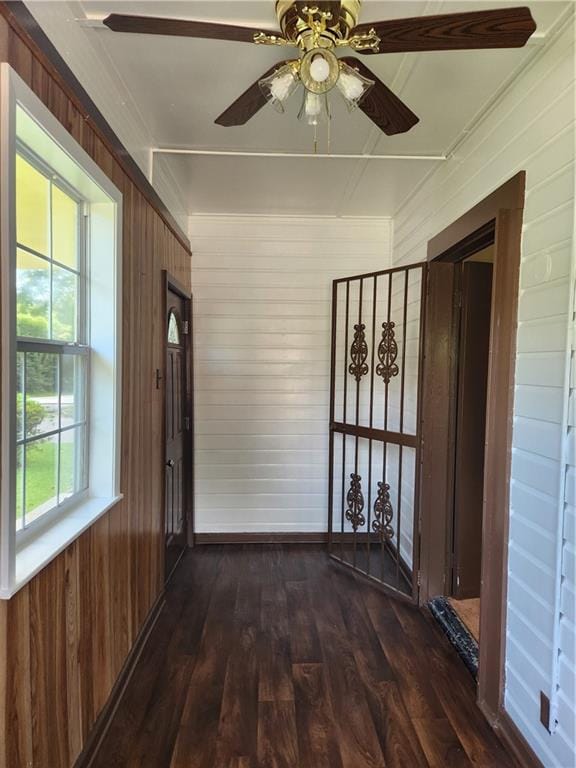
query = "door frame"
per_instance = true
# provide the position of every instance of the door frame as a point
(499, 216)
(170, 283)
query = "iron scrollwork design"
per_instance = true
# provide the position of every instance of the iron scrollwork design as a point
(383, 513)
(355, 502)
(387, 353)
(359, 353)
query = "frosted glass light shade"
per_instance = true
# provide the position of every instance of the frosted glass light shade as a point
(320, 69)
(352, 85)
(315, 109)
(279, 86)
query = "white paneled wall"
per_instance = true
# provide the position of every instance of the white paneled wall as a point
(531, 128)
(262, 293)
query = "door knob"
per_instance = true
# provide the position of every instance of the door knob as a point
(170, 463)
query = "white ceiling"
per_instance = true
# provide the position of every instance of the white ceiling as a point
(169, 91)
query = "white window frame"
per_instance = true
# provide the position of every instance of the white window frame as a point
(24, 118)
(79, 348)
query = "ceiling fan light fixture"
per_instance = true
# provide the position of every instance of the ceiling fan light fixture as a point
(279, 86)
(352, 85)
(315, 109)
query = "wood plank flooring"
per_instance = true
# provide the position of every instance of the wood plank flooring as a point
(276, 657)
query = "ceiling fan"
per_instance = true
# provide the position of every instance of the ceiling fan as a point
(319, 29)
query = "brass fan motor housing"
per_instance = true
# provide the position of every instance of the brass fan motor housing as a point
(295, 26)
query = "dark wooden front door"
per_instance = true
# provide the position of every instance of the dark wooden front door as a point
(177, 425)
(472, 377)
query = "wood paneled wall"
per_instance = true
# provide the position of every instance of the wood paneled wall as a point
(65, 636)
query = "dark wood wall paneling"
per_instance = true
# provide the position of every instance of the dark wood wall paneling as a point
(65, 636)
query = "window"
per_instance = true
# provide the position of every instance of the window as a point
(60, 219)
(52, 357)
(173, 328)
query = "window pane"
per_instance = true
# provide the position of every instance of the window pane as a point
(19, 395)
(73, 397)
(32, 207)
(64, 297)
(32, 296)
(72, 470)
(41, 411)
(19, 487)
(173, 330)
(64, 228)
(41, 477)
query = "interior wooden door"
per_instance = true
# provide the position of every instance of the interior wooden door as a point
(178, 461)
(374, 459)
(472, 376)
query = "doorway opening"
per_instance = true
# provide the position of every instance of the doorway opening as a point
(473, 309)
(458, 609)
(464, 505)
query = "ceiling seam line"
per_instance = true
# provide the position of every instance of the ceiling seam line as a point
(293, 155)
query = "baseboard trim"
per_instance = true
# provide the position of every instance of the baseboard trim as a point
(261, 538)
(508, 731)
(86, 758)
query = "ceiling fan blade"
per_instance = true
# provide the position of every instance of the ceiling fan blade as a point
(383, 107)
(150, 25)
(248, 104)
(501, 28)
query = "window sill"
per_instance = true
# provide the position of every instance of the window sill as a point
(36, 553)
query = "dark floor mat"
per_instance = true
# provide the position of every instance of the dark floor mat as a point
(457, 632)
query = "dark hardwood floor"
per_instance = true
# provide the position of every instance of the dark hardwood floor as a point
(274, 656)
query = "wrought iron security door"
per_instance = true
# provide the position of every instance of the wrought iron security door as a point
(374, 461)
